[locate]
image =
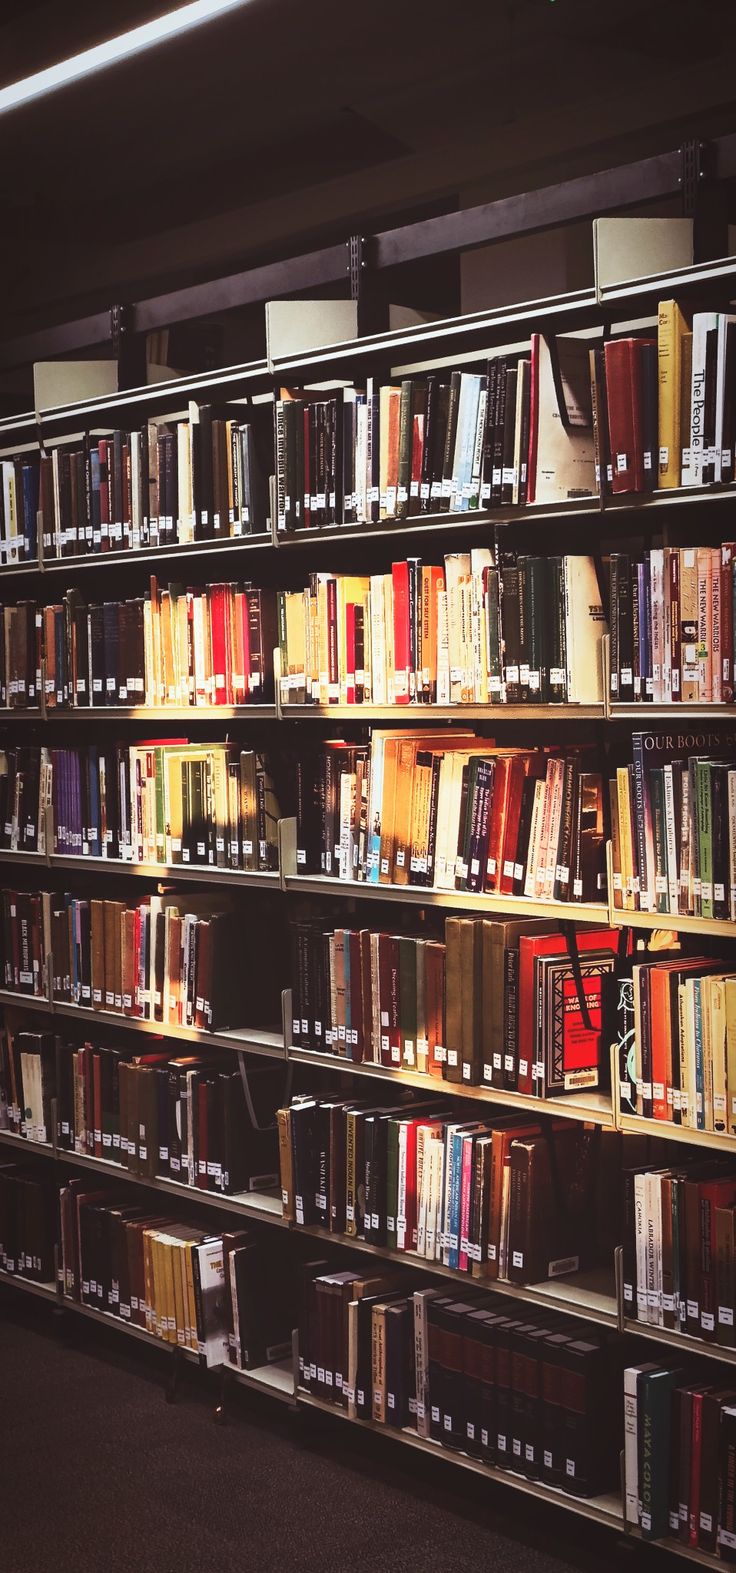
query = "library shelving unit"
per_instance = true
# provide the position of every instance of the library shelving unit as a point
(464, 341)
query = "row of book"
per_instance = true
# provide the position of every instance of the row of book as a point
(680, 1457)
(470, 631)
(221, 1295)
(209, 646)
(172, 959)
(19, 505)
(679, 1258)
(672, 626)
(193, 1118)
(210, 804)
(503, 1198)
(179, 481)
(154, 1271)
(536, 1393)
(678, 1025)
(448, 810)
(20, 657)
(496, 1003)
(673, 825)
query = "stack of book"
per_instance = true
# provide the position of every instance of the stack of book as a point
(198, 479)
(168, 958)
(20, 657)
(672, 626)
(520, 431)
(158, 1115)
(19, 504)
(538, 1393)
(27, 1224)
(198, 804)
(450, 811)
(680, 1457)
(492, 1002)
(500, 1198)
(677, 1031)
(525, 630)
(209, 646)
(159, 1274)
(673, 825)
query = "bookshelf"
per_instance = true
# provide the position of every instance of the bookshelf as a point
(591, 1297)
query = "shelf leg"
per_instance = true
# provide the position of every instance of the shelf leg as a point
(222, 1408)
(172, 1380)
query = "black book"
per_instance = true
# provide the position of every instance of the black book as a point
(509, 437)
(399, 1363)
(437, 443)
(709, 408)
(511, 623)
(442, 503)
(499, 425)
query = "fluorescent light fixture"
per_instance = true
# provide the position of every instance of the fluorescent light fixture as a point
(115, 49)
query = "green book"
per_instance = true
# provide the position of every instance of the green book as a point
(654, 1417)
(704, 810)
(392, 1180)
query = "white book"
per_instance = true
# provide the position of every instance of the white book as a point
(656, 564)
(585, 630)
(693, 458)
(212, 1334)
(673, 878)
(640, 1239)
(535, 838)
(465, 437)
(443, 649)
(631, 1439)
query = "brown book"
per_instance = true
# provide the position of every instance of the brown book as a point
(434, 986)
(286, 1167)
(453, 1070)
(126, 971)
(725, 1231)
(124, 1071)
(147, 1120)
(112, 941)
(172, 1003)
(97, 953)
(470, 996)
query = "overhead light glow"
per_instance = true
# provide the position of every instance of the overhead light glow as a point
(114, 50)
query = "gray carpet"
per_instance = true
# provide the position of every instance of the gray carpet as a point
(97, 1471)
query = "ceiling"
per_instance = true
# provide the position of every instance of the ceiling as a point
(283, 124)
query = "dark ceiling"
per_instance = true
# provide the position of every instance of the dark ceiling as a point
(279, 123)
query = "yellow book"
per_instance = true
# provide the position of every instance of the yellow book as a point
(671, 325)
(148, 1279)
(730, 1007)
(623, 786)
(714, 1049)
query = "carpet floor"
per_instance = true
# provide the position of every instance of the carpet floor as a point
(98, 1471)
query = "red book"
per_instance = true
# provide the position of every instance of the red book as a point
(97, 1099)
(625, 398)
(350, 653)
(218, 641)
(102, 451)
(333, 667)
(696, 1444)
(402, 632)
(499, 797)
(516, 776)
(531, 473)
(242, 643)
(545, 945)
(727, 631)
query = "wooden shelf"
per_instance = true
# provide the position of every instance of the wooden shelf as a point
(276, 1379)
(260, 1206)
(593, 1108)
(245, 1040)
(604, 1509)
(415, 895)
(684, 1341)
(42, 1291)
(435, 713)
(668, 713)
(254, 712)
(589, 1295)
(678, 924)
(190, 874)
(633, 1125)
(27, 1001)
